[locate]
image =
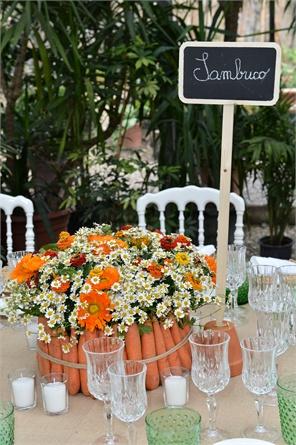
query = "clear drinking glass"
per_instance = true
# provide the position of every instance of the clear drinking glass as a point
(259, 377)
(262, 287)
(100, 354)
(128, 393)
(236, 275)
(210, 373)
(14, 257)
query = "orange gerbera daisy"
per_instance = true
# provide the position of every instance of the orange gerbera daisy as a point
(211, 262)
(65, 240)
(63, 287)
(95, 311)
(155, 270)
(26, 268)
(193, 281)
(107, 277)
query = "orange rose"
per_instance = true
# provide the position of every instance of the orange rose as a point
(65, 240)
(26, 268)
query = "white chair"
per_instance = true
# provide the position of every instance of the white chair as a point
(181, 196)
(8, 204)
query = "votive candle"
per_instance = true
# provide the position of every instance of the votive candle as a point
(175, 390)
(55, 397)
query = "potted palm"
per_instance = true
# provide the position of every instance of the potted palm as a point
(270, 155)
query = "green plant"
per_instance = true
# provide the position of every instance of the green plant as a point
(270, 155)
(111, 194)
(69, 73)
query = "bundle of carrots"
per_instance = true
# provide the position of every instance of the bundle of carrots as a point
(155, 341)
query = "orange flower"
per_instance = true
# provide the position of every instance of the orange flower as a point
(100, 241)
(155, 270)
(193, 281)
(26, 268)
(107, 276)
(96, 310)
(65, 240)
(211, 262)
(63, 287)
(183, 240)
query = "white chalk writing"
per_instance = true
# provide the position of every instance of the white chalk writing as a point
(203, 74)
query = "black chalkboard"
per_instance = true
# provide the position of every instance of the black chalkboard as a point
(229, 73)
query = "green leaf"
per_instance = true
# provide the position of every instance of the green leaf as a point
(49, 246)
(143, 329)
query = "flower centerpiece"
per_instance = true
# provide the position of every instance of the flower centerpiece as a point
(99, 282)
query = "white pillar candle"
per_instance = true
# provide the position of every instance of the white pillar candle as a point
(175, 390)
(23, 392)
(54, 395)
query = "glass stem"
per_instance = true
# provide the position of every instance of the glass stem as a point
(131, 433)
(212, 405)
(259, 402)
(109, 424)
(234, 304)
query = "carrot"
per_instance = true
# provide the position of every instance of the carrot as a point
(133, 343)
(149, 350)
(160, 346)
(82, 359)
(73, 376)
(184, 355)
(115, 334)
(173, 358)
(43, 363)
(55, 349)
(184, 331)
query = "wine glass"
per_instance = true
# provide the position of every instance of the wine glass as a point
(287, 289)
(236, 275)
(128, 393)
(210, 373)
(259, 377)
(100, 354)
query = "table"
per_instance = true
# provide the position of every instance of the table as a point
(236, 408)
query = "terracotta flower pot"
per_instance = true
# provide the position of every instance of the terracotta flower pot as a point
(234, 352)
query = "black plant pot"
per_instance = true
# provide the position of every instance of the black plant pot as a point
(282, 251)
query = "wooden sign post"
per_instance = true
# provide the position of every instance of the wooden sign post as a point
(228, 74)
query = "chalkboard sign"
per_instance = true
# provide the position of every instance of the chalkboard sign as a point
(229, 73)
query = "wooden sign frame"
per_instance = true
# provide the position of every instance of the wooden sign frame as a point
(226, 149)
(230, 45)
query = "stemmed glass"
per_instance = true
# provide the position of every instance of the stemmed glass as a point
(272, 310)
(210, 373)
(100, 354)
(259, 377)
(236, 275)
(128, 393)
(287, 288)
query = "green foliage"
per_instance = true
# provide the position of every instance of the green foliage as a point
(270, 154)
(242, 293)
